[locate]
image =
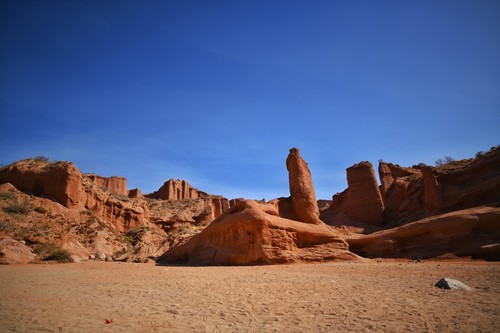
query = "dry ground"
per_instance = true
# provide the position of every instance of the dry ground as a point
(386, 296)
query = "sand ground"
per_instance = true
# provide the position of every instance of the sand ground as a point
(373, 296)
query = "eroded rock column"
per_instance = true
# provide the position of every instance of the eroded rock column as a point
(364, 202)
(303, 198)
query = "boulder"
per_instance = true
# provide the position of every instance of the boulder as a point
(303, 203)
(14, 252)
(100, 256)
(447, 283)
(254, 233)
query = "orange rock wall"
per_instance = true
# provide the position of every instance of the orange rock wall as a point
(175, 189)
(63, 182)
(117, 185)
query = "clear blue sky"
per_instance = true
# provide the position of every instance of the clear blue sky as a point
(216, 92)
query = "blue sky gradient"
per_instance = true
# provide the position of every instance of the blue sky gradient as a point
(216, 92)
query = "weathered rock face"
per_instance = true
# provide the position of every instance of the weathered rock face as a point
(469, 183)
(79, 230)
(252, 233)
(471, 232)
(122, 212)
(170, 214)
(135, 193)
(410, 194)
(362, 201)
(402, 192)
(116, 185)
(61, 180)
(175, 189)
(220, 205)
(304, 206)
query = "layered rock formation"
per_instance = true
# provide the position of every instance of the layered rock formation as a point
(473, 232)
(402, 192)
(63, 182)
(39, 221)
(361, 202)
(176, 189)
(123, 213)
(116, 185)
(60, 180)
(413, 193)
(255, 233)
(410, 194)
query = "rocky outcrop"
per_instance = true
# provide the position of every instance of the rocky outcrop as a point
(470, 232)
(220, 205)
(176, 189)
(122, 212)
(303, 204)
(171, 214)
(402, 192)
(40, 221)
(410, 194)
(361, 202)
(252, 233)
(452, 284)
(258, 233)
(61, 181)
(135, 193)
(116, 185)
(469, 183)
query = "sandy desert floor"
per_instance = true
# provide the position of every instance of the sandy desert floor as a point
(373, 296)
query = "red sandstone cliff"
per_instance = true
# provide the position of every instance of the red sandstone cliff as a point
(409, 194)
(116, 185)
(413, 193)
(63, 182)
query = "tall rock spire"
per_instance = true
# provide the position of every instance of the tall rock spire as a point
(304, 204)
